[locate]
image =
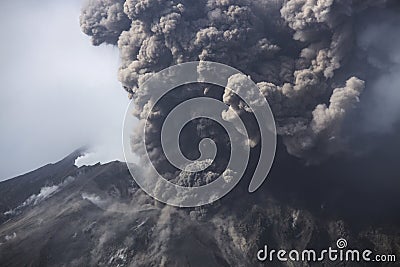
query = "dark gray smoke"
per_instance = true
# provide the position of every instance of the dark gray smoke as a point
(300, 52)
(104, 20)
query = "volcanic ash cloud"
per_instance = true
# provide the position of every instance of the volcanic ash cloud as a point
(301, 53)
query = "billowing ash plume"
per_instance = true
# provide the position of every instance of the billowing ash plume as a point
(105, 21)
(301, 53)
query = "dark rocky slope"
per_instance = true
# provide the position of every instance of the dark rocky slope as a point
(62, 215)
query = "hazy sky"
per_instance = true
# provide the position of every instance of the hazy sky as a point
(58, 92)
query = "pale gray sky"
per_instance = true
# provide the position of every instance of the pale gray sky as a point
(58, 92)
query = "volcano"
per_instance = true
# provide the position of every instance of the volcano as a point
(64, 215)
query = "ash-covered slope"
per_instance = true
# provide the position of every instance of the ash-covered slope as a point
(62, 215)
(15, 191)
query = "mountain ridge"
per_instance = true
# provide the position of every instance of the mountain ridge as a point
(97, 216)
